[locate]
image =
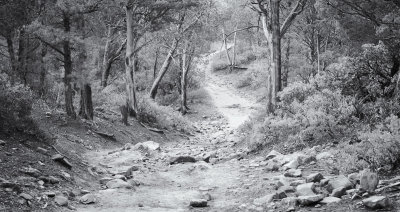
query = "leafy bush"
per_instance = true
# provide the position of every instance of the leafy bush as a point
(15, 104)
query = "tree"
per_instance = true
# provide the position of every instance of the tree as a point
(269, 11)
(184, 22)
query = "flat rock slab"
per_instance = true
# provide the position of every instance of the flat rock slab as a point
(376, 202)
(118, 183)
(310, 200)
(88, 199)
(340, 181)
(330, 200)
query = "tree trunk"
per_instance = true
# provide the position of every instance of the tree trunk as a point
(163, 70)
(105, 65)
(43, 72)
(286, 67)
(10, 47)
(86, 105)
(276, 51)
(234, 48)
(187, 61)
(22, 56)
(131, 103)
(318, 55)
(155, 64)
(226, 50)
(269, 94)
(69, 93)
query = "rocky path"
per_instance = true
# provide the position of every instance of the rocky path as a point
(208, 172)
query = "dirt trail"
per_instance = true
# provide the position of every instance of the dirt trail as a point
(165, 187)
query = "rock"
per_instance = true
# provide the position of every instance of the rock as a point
(61, 200)
(209, 156)
(272, 154)
(26, 196)
(118, 183)
(287, 189)
(148, 146)
(50, 194)
(292, 164)
(88, 199)
(354, 178)
(310, 200)
(65, 175)
(30, 171)
(339, 192)
(324, 155)
(2, 143)
(207, 197)
(330, 200)
(337, 182)
(75, 192)
(290, 201)
(50, 179)
(42, 150)
(314, 178)
(119, 176)
(84, 192)
(279, 195)
(297, 182)
(368, 181)
(272, 166)
(293, 173)
(198, 203)
(182, 159)
(105, 180)
(308, 159)
(305, 189)
(263, 200)
(62, 160)
(376, 202)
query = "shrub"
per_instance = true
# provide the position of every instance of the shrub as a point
(15, 104)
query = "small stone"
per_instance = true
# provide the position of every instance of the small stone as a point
(83, 191)
(198, 203)
(376, 202)
(207, 197)
(22, 201)
(317, 206)
(42, 150)
(310, 200)
(26, 196)
(263, 200)
(50, 194)
(338, 192)
(305, 189)
(118, 183)
(41, 182)
(294, 164)
(65, 175)
(61, 200)
(293, 173)
(2, 143)
(148, 145)
(330, 200)
(354, 178)
(88, 199)
(314, 178)
(30, 171)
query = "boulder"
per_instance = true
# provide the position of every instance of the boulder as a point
(293, 164)
(310, 200)
(337, 182)
(376, 202)
(88, 199)
(314, 178)
(290, 201)
(305, 189)
(61, 200)
(293, 173)
(272, 166)
(368, 181)
(26, 196)
(330, 200)
(339, 192)
(324, 155)
(118, 183)
(198, 203)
